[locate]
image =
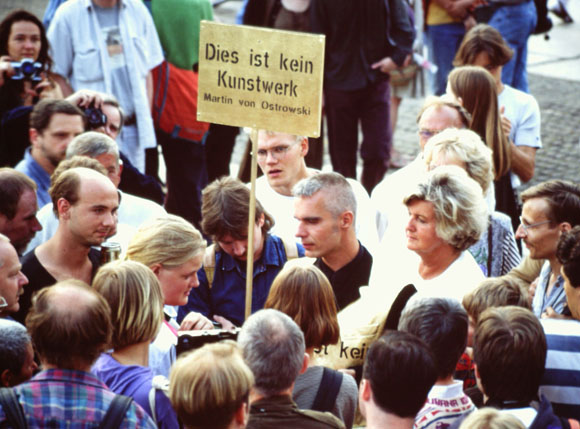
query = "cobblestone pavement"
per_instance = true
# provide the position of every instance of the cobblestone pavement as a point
(559, 102)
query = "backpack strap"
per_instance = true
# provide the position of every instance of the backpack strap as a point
(209, 258)
(290, 248)
(392, 320)
(328, 390)
(209, 264)
(116, 412)
(12, 409)
(159, 382)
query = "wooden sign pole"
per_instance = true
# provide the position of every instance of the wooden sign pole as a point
(251, 223)
(263, 78)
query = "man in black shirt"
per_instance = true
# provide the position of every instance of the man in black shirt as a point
(325, 207)
(85, 202)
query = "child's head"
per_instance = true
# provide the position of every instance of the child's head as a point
(492, 292)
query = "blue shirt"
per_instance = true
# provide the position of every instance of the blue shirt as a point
(32, 169)
(227, 296)
(557, 297)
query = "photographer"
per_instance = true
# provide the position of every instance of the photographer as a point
(25, 76)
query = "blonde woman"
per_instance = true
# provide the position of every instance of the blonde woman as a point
(496, 251)
(475, 89)
(173, 249)
(134, 295)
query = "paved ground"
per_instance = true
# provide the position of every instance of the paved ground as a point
(554, 74)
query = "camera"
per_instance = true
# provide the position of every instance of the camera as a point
(95, 117)
(191, 340)
(27, 69)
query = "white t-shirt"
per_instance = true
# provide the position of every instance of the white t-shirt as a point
(395, 272)
(523, 112)
(281, 207)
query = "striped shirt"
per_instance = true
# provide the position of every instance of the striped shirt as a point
(561, 381)
(59, 398)
(445, 404)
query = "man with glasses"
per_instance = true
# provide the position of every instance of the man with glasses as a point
(436, 115)
(281, 159)
(549, 209)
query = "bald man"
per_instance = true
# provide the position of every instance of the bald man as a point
(85, 202)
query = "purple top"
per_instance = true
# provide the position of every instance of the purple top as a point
(135, 381)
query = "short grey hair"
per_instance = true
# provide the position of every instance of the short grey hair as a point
(340, 196)
(92, 144)
(14, 340)
(460, 210)
(468, 147)
(273, 347)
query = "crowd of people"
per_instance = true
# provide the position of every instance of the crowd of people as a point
(436, 296)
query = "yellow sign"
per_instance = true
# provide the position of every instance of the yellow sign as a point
(260, 78)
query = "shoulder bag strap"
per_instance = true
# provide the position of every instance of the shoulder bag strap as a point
(290, 248)
(328, 390)
(12, 408)
(116, 412)
(392, 320)
(159, 382)
(209, 264)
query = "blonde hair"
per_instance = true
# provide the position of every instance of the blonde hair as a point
(476, 87)
(460, 210)
(134, 295)
(468, 147)
(207, 386)
(490, 418)
(170, 241)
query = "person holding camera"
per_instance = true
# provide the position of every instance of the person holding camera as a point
(24, 62)
(25, 76)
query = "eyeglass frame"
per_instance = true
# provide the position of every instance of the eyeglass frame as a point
(532, 225)
(278, 152)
